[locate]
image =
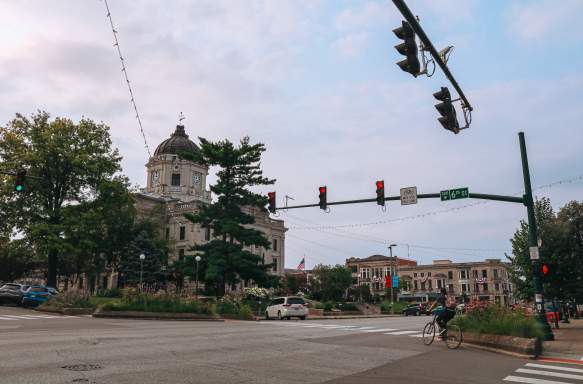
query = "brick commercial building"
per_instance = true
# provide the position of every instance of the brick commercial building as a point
(373, 270)
(483, 280)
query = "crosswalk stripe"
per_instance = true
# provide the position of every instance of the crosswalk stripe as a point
(418, 335)
(380, 330)
(401, 333)
(530, 380)
(19, 317)
(566, 369)
(547, 373)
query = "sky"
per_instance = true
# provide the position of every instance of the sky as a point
(316, 81)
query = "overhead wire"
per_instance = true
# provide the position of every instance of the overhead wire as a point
(125, 72)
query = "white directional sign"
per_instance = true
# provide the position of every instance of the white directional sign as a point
(408, 195)
(533, 253)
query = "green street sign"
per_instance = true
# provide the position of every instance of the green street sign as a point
(454, 194)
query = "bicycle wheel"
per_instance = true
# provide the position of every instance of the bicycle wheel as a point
(454, 337)
(429, 333)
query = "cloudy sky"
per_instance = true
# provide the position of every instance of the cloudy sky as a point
(316, 81)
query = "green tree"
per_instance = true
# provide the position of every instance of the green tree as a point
(17, 259)
(70, 160)
(561, 249)
(229, 217)
(330, 282)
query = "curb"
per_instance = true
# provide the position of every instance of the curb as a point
(500, 351)
(560, 360)
(154, 316)
(511, 345)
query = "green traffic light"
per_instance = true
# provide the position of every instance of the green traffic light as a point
(19, 188)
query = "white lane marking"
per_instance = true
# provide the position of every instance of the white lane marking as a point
(530, 380)
(6, 318)
(381, 330)
(566, 369)
(41, 316)
(547, 373)
(418, 335)
(20, 317)
(401, 333)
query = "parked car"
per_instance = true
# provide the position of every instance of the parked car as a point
(286, 308)
(413, 310)
(12, 293)
(37, 294)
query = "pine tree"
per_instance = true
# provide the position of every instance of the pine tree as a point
(227, 254)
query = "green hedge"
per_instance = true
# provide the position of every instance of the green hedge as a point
(499, 321)
(150, 303)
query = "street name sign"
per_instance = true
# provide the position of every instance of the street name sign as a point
(454, 194)
(408, 195)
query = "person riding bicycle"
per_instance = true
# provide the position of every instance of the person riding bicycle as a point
(447, 313)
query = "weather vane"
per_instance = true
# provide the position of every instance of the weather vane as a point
(180, 118)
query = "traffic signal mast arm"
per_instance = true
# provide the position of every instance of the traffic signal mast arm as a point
(412, 20)
(483, 196)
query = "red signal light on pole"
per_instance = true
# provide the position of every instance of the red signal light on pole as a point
(545, 270)
(323, 198)
(271, 198)
(380, 192)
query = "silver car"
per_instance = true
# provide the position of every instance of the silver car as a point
(286, 308)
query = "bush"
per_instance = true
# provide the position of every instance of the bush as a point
(157, 303)
(319, 306)
(113, 292)
(245, 312)
(347, 307)
(328, 306)
(68, 299)
(496, 320)
(386, 307)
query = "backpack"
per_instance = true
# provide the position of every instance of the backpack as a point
(450, 302)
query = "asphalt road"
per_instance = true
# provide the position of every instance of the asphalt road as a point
(40, 348)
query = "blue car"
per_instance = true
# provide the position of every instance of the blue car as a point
(37, 294)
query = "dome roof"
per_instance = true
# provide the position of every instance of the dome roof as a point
(178, 142)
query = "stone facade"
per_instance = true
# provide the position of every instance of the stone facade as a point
(176, 186)
(484, 280)
(373, 270)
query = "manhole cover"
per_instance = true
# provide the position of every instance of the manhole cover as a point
(82, 367)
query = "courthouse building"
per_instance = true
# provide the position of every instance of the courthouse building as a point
(176, 186)
(483, 280)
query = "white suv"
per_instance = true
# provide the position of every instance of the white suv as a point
(286, 308)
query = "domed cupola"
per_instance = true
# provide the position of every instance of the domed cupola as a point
(177, 143)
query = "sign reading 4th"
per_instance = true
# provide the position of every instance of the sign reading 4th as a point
(454, 194)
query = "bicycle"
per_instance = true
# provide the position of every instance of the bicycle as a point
(453, 335)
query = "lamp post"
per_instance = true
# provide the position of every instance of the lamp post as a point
(197, 259)
(392, 300)
(142, 258)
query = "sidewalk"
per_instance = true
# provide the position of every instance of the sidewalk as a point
(568, 341)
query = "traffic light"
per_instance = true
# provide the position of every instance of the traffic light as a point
(19, 181)
(271, 198)
(545, 270)
(408, 48)
(446, 109)
(380, 192)
(323, 198)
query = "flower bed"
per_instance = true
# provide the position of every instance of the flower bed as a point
(157, 303)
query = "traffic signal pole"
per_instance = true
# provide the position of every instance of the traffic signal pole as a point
(527, 200)
(533, 243)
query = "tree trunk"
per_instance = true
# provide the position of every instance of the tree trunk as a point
(52, 268)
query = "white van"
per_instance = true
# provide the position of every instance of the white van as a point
(286, 308)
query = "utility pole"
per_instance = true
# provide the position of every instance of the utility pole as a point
(142, 257)
(533, 243)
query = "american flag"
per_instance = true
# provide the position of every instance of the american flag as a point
(302, 264)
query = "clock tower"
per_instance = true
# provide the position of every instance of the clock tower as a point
(173, 177)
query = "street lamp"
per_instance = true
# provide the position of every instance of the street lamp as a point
(197, 259)
(142, 258)
(392, 300)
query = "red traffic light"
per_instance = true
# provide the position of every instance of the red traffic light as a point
(323, 199)
(380, 192)
(545, 269)
(271, 198)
